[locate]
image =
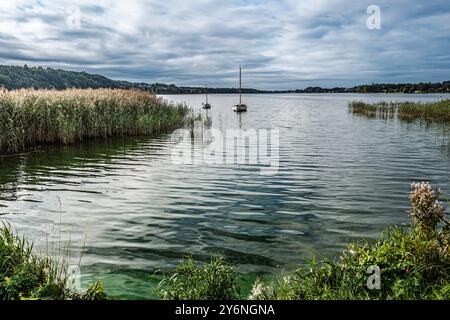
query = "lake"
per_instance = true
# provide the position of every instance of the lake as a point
(133, 212)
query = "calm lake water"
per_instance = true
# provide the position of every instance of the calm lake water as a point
(133, 212)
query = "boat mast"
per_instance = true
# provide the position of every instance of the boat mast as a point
(240, 85)
(206, 94)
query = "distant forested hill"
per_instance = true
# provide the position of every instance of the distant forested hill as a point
(16, 77)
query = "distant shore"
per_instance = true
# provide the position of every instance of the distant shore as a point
(24, 77)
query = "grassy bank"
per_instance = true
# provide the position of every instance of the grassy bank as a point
(412, 264)
(433, 111)
(30, 117)
(25, 275)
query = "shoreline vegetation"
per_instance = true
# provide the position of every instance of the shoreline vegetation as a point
(19, 77)
(25, 275)
(438, 111)
(413, 263)
(34, 117)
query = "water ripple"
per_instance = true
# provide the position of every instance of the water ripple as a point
(340, 178)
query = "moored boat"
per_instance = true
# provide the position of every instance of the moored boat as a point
(240, 107)
(206, 105)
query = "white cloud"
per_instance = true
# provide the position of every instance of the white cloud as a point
(290, 43)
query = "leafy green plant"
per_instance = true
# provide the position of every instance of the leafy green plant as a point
(27, 276)
(213, 281)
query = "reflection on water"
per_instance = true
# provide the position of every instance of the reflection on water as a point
(341, 177)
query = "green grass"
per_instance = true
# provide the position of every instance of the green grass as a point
(191, 281)
(27, 276)
(30, 117)
(432, 112)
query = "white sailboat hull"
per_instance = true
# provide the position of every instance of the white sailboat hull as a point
(240, 108)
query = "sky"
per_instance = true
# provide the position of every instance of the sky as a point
(281, 44)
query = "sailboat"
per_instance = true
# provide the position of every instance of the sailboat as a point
(240, 107)
(206, 105)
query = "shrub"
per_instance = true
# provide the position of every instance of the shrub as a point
(426, 211)
(24, 275)
(213, 281)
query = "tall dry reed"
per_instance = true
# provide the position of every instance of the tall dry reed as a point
(29, 117)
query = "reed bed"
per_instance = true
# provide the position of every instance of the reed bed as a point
(32, 117)
(432, 111)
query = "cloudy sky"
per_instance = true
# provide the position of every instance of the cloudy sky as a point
(281, 44)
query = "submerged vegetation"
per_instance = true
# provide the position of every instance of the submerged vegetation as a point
(432, 111)
(30, 118)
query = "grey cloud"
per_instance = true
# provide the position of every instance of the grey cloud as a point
(285, 44)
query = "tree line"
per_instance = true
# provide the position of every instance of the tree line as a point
(17, 77)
